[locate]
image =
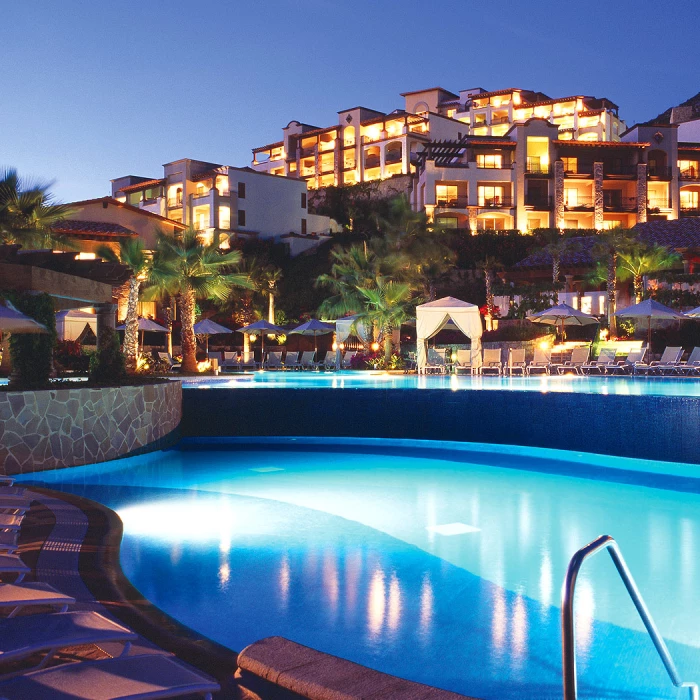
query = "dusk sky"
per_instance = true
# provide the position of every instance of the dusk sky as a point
(94, 90)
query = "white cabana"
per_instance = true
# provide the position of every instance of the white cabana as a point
(71, 324)
(432, 317)
(343, 329)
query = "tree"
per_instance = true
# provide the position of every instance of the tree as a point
(132, 254)
(489, 265)
(556, 245)
(269, 277)
(28, 212)
(188, 267)
(641, 259)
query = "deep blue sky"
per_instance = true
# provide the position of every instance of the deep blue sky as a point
(93, 90)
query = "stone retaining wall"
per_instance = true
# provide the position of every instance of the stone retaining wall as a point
(68, 427)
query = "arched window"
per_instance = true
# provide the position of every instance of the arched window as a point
(393, 152)
(372, 157)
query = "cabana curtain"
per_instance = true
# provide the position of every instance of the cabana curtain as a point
(432, 317)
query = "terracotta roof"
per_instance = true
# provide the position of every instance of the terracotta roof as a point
(124, 205)
(604, 144)
(73, 227)
(141, 185)
(416, 92)
(687, 146)
(677, 233)
(496, 93)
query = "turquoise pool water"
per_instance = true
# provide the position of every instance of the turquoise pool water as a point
(621, 385)
(440, 564)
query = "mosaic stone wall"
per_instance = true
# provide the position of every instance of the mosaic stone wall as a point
(68, 427)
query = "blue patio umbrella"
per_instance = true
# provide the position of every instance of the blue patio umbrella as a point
(261, 327)
(145, 324)
(208, 327)
(650, 310)
(314, 328)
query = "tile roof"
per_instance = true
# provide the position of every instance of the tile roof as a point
(106, 201)
(73, 227)
(579, 257)
(141, 185)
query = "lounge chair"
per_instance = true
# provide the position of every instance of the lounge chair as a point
(492, 361)
(229, 360)
(8, 542)
(307, 360)
(516, 361)
(274, 360)
(17, 596)
(463, 364)
(248, 361)
(436, 361)
(12, 564)
(630, 363)
(604, 362)
(579, 357)
(329, 360)
(670, 358)
(167, 358)
(291, 361)
(691, 365)
(8, 521)
(541, 362)
(147, 677)
(21, 637)
(346, 362)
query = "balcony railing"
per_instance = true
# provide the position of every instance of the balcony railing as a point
(494, 165)
(307, 152)
(538, 202)
(579, 204)
(452, 203)
(620, 204)
(372, 162)
(690, 174)
(499, 120)
(658, 203)
(534, 166)
(174, 202)
(659, 172)
(619, 170)
(200, 194)
(495, 202)
(688, 208)
(580, 170)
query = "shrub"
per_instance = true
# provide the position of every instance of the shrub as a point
(108, 364)
(69, 355)
(376, 360)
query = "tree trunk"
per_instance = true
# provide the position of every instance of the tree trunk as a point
(388, 344)
(489, 292)
(168, 319)
(131, 333)
(638, 288)
(555, 269)
(612, 293)
(189, 343)
(271, 308)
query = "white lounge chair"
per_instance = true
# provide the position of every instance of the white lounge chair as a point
(17, 596)
(436, 361)
(492, 361)
(307, 360)
(516, 361)
(329, 360)
(21, 637)
(629, 364)
(670, 358)
(604, 362)
(147, 677)
(541, 362)
(274, 360)
(346, 362)
(168, 359)
(691, 365)
(291, 361)
(463, 364)
(579, 357)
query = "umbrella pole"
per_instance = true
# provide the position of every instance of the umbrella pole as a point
(649, 339)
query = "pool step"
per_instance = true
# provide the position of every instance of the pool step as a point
(277, 668)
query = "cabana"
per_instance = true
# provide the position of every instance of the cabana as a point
(343, 329)
(71, 323)
(432, 317)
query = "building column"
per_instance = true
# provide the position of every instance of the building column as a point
(559, 194)
(598, 200)
(473, 213)
(382, 160)
(642, 193)
(106, 317)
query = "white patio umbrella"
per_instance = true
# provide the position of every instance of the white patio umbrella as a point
(314, 328)
(651, 310)
(13, 321)
(145, 324)
(208, 327)
(562, 315)
(261, 327)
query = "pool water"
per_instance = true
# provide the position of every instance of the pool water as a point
(570, 383)
(439, 565)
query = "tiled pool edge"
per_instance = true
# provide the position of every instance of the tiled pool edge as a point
(661, 428)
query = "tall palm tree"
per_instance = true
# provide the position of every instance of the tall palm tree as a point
(387, 304)
(132, 254)
(269, 278)
(188, 267)
(489, 265)
(642, 259)
(28, 211)
(556, 244)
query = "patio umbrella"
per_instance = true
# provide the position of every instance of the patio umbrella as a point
(13, 321)
(314, 328)
(693, 313)
(562, 315)
(650, 310)
(208, 327)
(145, 324)
(261, 327)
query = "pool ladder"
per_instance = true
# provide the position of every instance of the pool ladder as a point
(568, 631)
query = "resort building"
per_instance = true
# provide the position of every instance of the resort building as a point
(225, 201)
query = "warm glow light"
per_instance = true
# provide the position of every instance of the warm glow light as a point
(204, 366)
(335, 346)
(375, 346)
(253, 337)
(544, 344)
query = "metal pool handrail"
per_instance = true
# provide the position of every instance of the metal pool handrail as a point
(568, 631)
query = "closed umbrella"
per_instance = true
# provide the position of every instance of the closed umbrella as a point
(145, 324)
(651, 310)
(13, 321)
(562, 315)
(314, 328)
(261, 327)
(208, 327)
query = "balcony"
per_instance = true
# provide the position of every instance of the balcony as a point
(499, 120)
(581, 170)
(617, 204)
(658, 172)
(658, 203)
(619, 171)
(495, 202)
(174, 202)
(493, 165)
(690, 209)
(538, 202)
(452, 203)
(579, 204)
(307, 152)
(201, 194)
(534, 166)
(690, 174)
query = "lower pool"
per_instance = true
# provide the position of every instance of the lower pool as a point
(439, 564)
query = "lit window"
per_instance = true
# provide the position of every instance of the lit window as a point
(570, 165)
(451, 113)
(688, 168)
(570, 198)
(225, 218)
(490, 195)
(690, 199)
(484, 160)
(445, 195)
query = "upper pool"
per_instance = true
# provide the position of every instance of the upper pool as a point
(440, 563)
(621, 385)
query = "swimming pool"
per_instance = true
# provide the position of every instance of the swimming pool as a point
(620, 386)
(439, 564)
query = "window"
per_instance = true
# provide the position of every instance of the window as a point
(241, 190)
(303, 200)
(303, 227)
(490, 195)
(688, 168)
(445, 194)
(690, 199)
(570, 197)
(491, 224)
(225, 218)
(570, 165)
(134, 198)
(241, 217)
(447, 221)
(489, 161)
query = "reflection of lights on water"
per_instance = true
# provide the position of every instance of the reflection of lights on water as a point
(225, 544)
(284, 579)
(330, 581)
(175, 554)
(584, 611)
(376, 603)
(687, 555)
(427, 600)
(524, 519)
(519, 630)
(546, 583)
(499, 621)
(394, 612)
(224, 574)
(353, 573)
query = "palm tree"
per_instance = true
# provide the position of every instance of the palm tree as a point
(387, 304)
(557, 243)
(28, 211)
(188, 267)
(132, 254)
(489, 265)
(269, 277)
(640, 260)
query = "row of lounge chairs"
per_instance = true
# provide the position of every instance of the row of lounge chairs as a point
(30, 639)
(670, 363)
(278, 360)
